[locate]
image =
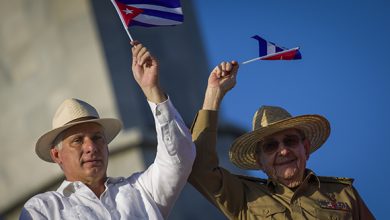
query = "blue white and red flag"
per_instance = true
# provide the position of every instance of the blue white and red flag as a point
(270, 51)
(149, 13)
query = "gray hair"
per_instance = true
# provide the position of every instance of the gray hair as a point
(57, 143)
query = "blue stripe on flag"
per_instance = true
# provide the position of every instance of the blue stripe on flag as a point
(162, 14)
(141, 24)
(278, 49)
(262, 45)
(164, 3)
(297, 55)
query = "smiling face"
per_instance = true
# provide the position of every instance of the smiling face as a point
(282, 156)
(83, 153)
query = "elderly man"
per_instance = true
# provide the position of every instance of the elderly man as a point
(279, 145)
(78, 143)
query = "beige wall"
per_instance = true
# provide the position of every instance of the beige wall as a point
(54, 49)
(49, 50)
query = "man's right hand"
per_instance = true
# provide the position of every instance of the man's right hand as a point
(221, 80)
(145, 71)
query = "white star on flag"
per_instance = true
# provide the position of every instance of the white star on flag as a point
(128, 11)
(148, 13)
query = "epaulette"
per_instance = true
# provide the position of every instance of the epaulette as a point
(252, 179)
(331, 179)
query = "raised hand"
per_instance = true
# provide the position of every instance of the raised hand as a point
(223, 76)
(221, 80)
(145, 71)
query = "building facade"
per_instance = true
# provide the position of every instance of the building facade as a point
(51, 50)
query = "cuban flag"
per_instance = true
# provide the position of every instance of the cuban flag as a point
(149, 13)
(270, 51)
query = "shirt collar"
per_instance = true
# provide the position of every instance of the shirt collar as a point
(68, 187)
(310, 178)
(113, 180)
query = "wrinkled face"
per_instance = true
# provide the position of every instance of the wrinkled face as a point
(283, 156)
(83, 153)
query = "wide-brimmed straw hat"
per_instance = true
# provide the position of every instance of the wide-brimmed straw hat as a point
(73, 112)
(269, 120)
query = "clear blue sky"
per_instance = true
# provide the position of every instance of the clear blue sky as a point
(344, 75)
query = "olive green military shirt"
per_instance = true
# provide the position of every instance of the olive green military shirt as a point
(240, 197)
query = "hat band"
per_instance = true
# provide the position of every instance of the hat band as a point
(82, 119)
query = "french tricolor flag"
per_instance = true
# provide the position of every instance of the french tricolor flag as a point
(270, 51)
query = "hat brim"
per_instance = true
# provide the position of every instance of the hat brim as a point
(111, 127)
(315, 127)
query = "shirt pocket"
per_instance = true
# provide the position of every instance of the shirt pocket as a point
(333, 214)
(274, 211)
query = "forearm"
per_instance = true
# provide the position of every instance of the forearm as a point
(173, 137)
(212, 100)
(145, 71)
(155, 94)
(166, 177)
(212, 181)
(205, 171)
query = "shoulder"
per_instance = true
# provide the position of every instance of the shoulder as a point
(252, 179)
(137, 179)
(336, 180)
(46, 196)
(46, 205)
(42, 200)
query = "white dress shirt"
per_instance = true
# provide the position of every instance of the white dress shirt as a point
(147, 195)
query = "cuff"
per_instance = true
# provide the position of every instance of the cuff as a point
(162, 111)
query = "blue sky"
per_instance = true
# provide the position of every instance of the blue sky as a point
(344, 75)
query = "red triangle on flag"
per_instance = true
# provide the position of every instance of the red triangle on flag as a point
(128, 12)
(285, 55)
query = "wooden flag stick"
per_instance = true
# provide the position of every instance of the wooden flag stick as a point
(123, 22)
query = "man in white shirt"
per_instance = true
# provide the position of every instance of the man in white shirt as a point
(78, 143)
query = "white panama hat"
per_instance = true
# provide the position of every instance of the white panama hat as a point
(73, 112)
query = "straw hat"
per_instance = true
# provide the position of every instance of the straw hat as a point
(73, 112)
(269, 120)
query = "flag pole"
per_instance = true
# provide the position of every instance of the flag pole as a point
(128, 34)
(270, 55)
(123, 22)
(249, 61)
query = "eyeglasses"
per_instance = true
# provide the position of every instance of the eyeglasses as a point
(272, 145)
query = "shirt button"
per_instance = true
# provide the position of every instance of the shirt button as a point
(167, 138)
(158, 112)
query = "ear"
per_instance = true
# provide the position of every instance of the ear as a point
(54, 154)
(306, 144)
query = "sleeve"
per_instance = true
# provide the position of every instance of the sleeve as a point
(166, 177)
(361, 211)
(219, 186)
(33, 210)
